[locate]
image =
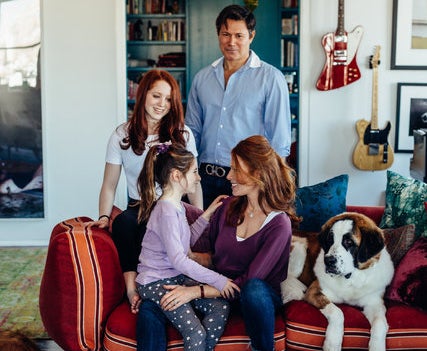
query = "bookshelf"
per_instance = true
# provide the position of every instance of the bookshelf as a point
(156, 37)
(289, 65)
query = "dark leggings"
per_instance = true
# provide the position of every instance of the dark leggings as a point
(127, 235)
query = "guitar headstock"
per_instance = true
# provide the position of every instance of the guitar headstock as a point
(374, 60)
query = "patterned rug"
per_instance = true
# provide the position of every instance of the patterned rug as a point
(21, 269)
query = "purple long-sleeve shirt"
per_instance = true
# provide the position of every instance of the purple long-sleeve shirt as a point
(264, 255)
(165, 247)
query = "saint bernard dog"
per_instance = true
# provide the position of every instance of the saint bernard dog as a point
(350, 264)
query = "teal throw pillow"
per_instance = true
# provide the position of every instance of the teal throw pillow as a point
(404, 203)
(317, 203)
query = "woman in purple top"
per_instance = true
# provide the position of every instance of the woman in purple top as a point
(165, 248)
(250, 237)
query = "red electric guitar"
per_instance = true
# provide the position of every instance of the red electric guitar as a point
(340, 48)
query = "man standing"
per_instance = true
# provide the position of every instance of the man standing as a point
(237, 96)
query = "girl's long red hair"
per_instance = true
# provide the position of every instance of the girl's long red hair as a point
(171, 126)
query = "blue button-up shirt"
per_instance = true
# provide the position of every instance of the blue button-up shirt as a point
(255, 101)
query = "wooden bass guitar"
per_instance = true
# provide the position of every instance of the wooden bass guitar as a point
(373, 151)
(340, 67)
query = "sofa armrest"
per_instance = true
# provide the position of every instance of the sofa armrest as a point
(373, 212)
(81, 284)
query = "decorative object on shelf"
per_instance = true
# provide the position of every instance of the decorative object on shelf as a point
(373, 152)
(172, 59)
(411, 113)
(409, 38)
(251, 4)
(341, 67)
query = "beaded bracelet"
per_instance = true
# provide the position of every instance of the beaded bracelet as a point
(202, 291)
(103, 216)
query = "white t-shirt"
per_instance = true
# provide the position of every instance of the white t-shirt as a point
(131, 162)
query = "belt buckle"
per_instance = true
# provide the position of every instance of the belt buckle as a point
(214, 170)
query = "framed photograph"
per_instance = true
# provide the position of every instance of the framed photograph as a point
(409, 35)
(411, 113)
(21, 154)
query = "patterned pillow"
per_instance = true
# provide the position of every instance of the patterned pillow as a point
(409, 284)
(404, 203)
(399, 241)
(317, 203)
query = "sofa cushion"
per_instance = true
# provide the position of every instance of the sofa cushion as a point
(399, 241)
(317, 203)
(405, 199)
(120, 333)
(82, 282)
(409, 284)
(306, 326)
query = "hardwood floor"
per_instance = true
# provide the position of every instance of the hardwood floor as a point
(48, 345)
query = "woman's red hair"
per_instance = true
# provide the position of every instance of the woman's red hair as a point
(171, 126)
(276, 180)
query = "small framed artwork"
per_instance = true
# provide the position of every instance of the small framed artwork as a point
(411, 113)
(409, 35)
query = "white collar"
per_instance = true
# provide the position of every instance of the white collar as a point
(254, 60)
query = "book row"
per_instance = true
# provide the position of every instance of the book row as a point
(138, 7)
(165, 30)
(290, 53)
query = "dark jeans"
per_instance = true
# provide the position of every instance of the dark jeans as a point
(151, 327)
(127, 235)
(212, 187)
(259, 304)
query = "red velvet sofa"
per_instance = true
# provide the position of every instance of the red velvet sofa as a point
(83, 305)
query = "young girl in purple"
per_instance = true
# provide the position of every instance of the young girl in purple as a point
(165, 249)
(249, 237)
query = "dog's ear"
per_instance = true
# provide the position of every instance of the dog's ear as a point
(325, 236)
(371, 244)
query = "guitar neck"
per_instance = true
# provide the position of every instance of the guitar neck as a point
(340, 29)
(374, 112)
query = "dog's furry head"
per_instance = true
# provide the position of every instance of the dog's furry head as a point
(350, 241)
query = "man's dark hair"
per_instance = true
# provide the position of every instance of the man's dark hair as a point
(235, 13)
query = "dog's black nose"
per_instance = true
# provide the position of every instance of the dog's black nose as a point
(330, 261)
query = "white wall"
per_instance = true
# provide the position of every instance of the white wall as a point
(84, 98)
(328, 134)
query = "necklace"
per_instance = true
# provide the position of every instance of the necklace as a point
(251, 213)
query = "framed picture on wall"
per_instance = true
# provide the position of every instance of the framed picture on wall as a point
(411, 113)
(21, 154)
(409, 35)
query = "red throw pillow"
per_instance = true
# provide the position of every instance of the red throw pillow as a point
(399, 241)
(409, 284)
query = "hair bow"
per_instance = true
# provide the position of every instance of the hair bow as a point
(163, 147)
